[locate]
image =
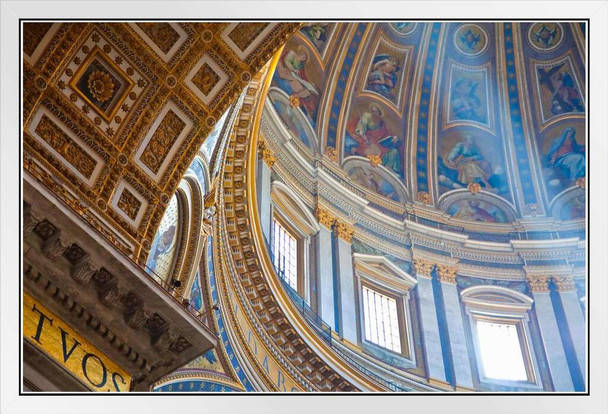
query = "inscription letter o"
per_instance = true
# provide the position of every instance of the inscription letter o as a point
(103, 368)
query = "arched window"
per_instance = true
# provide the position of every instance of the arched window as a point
(499, 322)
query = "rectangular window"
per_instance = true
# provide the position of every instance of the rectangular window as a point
(501, 352)
(381, 320)
(285, 254)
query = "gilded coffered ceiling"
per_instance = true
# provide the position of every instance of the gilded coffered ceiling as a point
(113, 113)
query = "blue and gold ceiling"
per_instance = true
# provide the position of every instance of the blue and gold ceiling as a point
(482, 120)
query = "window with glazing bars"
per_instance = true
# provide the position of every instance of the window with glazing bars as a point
(285, 253)
(501, 352)
(381, 320)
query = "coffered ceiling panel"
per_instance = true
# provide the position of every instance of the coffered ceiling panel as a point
(115, 112)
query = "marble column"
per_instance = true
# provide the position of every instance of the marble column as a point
(551, 339)
(265, 163)
(455, 323)
(429, 322)
(345, 281)
(325, 268)
(574, 318)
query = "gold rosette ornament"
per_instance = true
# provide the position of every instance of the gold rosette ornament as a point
(374, 160)
(100, 85)
(294, 101)
(474, 188)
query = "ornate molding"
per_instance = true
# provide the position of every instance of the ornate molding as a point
(446, 273)
(424, 197)
(332, 154)
(267, 154)
(423, 267)
(564, 283)
(538, 284)
(344, 230)
(325, 217)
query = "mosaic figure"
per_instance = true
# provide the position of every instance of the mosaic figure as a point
(566, 155)
(383, 76)
(316, 33)
(565, 94)
(293, 80)
(371, 136)
(465, 101)
(467, 159)
(293, 120)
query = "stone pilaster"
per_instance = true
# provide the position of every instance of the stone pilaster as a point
(575, 319)
(325, 267)
(428, 320)
(551, 339)
(454, 320)
(345, 281)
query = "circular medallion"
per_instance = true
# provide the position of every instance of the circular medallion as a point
(122, 159)
(207, 36)
(164, 198)
(245, 77)
(404, 28)
(171, 81)
(40, 83)
(545, 36)
(471, 39)
(102, 204)
(210, 121)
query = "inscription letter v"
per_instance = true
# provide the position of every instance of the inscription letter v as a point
(66, 355)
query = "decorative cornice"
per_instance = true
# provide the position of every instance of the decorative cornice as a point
(447, 274)
(423, 267)
(538, 284)
(344, 230)
(564, 283)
